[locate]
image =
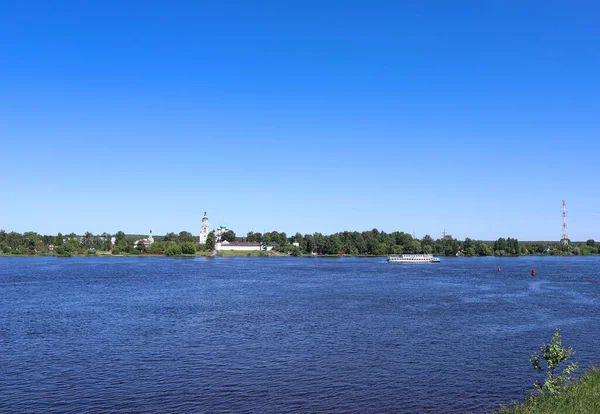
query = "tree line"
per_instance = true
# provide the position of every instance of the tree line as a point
(371, 242)
(380, 243)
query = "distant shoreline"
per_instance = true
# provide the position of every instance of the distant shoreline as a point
(229, 253)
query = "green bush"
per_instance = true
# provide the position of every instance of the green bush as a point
(188, 248)
(158, 246)
(554, 354)
(173, 250)
(64, 250)
(579, 398)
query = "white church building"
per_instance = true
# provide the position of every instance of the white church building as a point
(204, 229)
(146, 242)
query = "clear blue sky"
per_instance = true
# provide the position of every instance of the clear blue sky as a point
(477, 117)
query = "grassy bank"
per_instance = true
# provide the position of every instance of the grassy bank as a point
(583, 397)
(205, 253)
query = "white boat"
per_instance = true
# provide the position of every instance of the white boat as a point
(413, 258)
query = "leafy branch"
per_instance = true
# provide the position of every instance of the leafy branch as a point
(553, 354)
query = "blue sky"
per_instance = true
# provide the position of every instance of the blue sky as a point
(474, 117)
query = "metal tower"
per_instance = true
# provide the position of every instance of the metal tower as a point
(565, 237)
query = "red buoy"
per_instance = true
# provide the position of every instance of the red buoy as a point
(498, 269)
(533, 272)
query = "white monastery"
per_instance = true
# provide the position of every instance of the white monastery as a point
(226, 245)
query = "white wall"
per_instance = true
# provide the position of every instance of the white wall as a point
(218, 246)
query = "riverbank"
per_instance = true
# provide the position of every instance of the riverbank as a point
(223, 253)
(256, 253)
(583, 397)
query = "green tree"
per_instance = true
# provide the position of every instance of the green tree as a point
(282, 239)
(120, 247)
(332, 244)
(170, 237)
(370, 243)
(158, 246)
(185, 236)
(266, 238)
(105, 241)
(482, 249)
(591, 243)
(298, 238)
(402, 239)
(74, 245)
(512, 246)
(68, 248)
(468, 244)
(229, 235)
(381, 249)
(319, 241)
(448, 246)
(210, 241)
(119, 237)
(88, 240)
(413, 247)
(500, 246)
(359, 242)
(64, 250)
(254, 237)
(427, 240)
(553, 354)
(31, 239)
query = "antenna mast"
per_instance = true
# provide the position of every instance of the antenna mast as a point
(565, 237)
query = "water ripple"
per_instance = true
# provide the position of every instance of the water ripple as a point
(129, 335)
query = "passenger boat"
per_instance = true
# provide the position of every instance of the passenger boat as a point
(413, 258)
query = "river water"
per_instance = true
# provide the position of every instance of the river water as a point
(154, 334)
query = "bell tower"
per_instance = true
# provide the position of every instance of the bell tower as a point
(204, 229)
